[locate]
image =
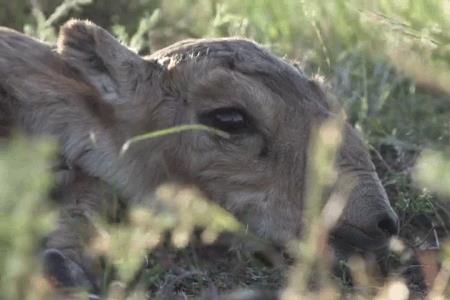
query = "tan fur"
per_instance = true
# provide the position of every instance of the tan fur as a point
(96, 87)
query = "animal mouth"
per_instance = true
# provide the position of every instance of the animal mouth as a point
(350, 238)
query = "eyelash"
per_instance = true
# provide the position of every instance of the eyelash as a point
(239, 122)
(230, 119)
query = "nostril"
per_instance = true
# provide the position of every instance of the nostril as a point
(388, 225)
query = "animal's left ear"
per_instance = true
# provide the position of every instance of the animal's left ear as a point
(110, 66)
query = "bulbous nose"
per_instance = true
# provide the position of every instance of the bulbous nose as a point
(388, 224)
(380, 226)
(368, 220)
(368, 233)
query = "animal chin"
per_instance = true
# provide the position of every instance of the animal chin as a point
(350, 239)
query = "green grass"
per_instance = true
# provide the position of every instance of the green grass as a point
(387, 62)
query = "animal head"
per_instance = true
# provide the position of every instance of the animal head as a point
(268, 107)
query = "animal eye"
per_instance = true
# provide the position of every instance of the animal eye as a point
(229, 119)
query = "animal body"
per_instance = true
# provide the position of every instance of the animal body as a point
(92, 94)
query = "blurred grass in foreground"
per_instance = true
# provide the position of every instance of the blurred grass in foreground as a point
(25, 218)
(388, 62)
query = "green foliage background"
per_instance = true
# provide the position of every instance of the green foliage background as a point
(387, 62)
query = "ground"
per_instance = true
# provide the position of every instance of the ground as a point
(386, 62)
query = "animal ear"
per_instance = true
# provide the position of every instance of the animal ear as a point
(109, 65)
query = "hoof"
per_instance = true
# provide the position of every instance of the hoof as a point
(65, 273)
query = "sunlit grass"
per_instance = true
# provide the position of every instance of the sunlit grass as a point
(388, 62)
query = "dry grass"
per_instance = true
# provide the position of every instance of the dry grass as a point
(386, 61)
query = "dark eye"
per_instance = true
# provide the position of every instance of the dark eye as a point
(229, 119)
